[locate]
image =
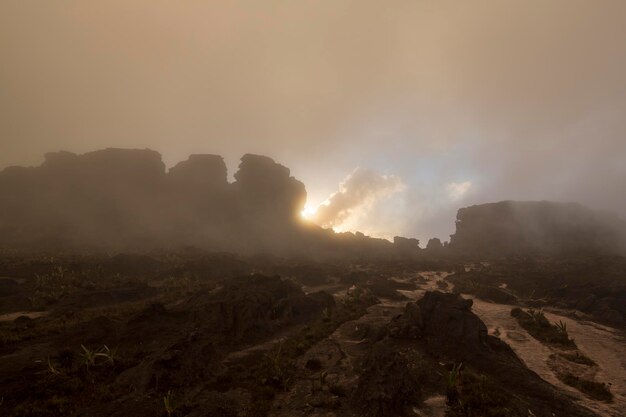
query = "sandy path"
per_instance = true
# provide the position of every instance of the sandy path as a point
(600, 343)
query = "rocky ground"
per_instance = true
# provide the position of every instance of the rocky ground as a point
(194, 334)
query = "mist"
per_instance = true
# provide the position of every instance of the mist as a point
(522, 100)
(280, 208)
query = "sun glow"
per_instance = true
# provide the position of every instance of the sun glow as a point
(309, 212)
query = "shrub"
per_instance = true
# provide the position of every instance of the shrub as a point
(596, 390)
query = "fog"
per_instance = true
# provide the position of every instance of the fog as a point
(460, 102)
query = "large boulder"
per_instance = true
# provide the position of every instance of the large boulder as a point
(445, 322)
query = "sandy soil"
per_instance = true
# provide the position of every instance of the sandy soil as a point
(600, 343)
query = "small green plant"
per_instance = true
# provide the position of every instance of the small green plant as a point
(538, 316)
(168, 403)
(278, 366)
(88, 357)
(327, 314)
(536, 323)
(454, 376)
(109, 355)
(53, 370)
(478, 396)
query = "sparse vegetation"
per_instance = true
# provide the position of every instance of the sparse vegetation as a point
(479, 396)
(278, 368)
(577, 357)
(561, 327)
(596, 390)
(538, 326)
(53, 370)
(452, 386)
(168, 403)
(89, 357)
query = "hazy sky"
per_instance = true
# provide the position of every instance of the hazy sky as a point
(405, 110)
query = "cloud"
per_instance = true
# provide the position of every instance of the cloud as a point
(457, 190)
(359, 193)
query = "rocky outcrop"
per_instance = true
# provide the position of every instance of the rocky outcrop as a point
(406, 246)
(434, 247)
(536, 227)
(266, 189)
(124, 199)
(200, 171)
(444, 321)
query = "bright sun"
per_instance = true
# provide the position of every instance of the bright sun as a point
(308, 212)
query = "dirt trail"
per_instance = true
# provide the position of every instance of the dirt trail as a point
(600, 343)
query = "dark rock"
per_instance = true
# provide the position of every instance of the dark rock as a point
(386, 288)
(450, 323)
(386, 385)
(22, 322)
(445, 321)
(536, 227)
(266, 189)
(406, 246)
(434, 244)
(408, 325)
(8, 286)
(253, 305)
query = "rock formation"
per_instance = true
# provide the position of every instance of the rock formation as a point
(444, 321)
(536, 227)
(125, 199)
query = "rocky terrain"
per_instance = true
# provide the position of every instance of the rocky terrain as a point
(195, 334)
